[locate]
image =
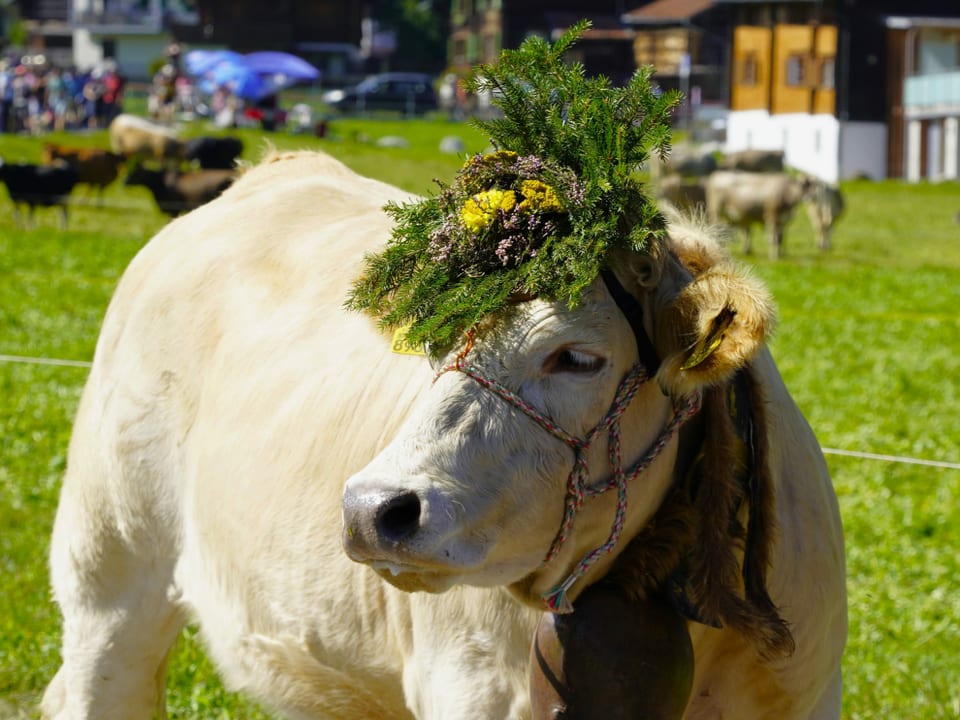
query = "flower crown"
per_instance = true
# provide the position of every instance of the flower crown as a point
(500, 210)
(536, 218)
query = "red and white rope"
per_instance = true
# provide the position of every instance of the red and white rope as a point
(578, 481)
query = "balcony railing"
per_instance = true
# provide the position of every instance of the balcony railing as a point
(936, 92)
(117, 17)
(130, 22)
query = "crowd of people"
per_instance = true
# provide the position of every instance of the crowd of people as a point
(37, 96)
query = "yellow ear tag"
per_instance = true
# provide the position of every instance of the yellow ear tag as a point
(702, 353)
(400, 345)
(711, 342)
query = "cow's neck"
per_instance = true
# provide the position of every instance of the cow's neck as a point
(721, 480)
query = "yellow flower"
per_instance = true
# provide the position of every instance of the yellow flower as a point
(479, 211)
(505, 156)
(538, 197)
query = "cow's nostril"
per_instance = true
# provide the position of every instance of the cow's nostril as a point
(399, 518)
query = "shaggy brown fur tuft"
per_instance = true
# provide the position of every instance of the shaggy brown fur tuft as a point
(711, 329)
(697, 531)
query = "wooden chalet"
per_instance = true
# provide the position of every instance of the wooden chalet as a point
(848, 88)
(687, 41)
(480, 29)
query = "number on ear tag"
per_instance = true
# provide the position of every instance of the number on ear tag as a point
(400, 345)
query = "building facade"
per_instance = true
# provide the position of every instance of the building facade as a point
(688, 42)
(135, 32)
(858, 88)
(925, 141)
(480, 29)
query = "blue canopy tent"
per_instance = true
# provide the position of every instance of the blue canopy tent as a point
(281, 63)
(252, 76)
(198, 62)
(241, 80)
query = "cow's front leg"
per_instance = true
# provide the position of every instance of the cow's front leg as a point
(121, 616)
(775, 235)
(747, 244)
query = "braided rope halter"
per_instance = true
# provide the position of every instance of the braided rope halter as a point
(578, 481)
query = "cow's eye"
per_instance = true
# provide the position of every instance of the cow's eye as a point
(566, 360)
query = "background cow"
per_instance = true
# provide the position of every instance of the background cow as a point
(685, 161)
(824, 207)
(744, 199)
(213, 153)
(140, 139)
(232, 396)
(771, 161)
(177, 192)
(95, 167)
(43, 185)
(683, 193)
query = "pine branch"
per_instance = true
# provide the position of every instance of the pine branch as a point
(538, 217)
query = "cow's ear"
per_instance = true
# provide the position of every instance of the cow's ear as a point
(712, 328)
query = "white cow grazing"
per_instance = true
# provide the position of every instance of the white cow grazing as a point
(744, 199)
(232, 397)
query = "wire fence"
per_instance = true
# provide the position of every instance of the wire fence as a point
(880, 457)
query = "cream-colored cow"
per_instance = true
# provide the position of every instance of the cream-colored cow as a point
(744, 199)
(232, 397)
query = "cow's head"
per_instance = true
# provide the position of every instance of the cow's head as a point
(474, 487)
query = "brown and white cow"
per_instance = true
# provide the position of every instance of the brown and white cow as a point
(237, 420)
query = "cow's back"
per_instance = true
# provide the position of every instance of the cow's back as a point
(236, 309)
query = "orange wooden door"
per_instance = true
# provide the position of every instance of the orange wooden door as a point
(825, 55)
(793, 69)
(750, 84)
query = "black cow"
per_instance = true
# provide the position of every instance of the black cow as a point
(32, 185)
(175, 192)
(214, 153)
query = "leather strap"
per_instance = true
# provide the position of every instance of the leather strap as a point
(633, 311)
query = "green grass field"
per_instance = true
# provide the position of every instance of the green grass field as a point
(868, 341)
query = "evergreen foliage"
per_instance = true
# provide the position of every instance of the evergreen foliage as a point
(537, 218)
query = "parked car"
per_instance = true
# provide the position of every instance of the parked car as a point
(409, 93)
(710, 124)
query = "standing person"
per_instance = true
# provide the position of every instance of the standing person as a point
(73, 79)
(447, 95)
(93, 98)
(6, 96)
(113, 84)
(21, 92)
(35, 110)
(163, 94)
(57, 96)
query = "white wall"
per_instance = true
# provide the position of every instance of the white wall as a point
(87, 52)
(136, 52)
(819, 145)
(810, 142)
(863, 150)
